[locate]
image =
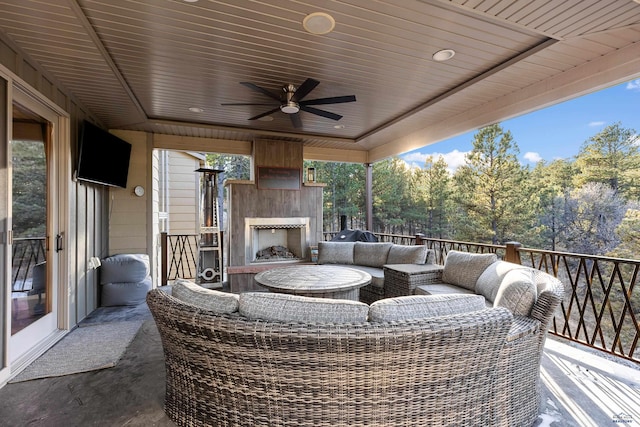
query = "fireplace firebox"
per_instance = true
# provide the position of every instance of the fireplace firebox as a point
(273, 240)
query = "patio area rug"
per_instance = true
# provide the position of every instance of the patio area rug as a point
(87, 348)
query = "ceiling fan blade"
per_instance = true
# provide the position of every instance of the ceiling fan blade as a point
(322, 113)
(331, 100)
(245, 103)
(261, 90)
(264, 114)
(304, 89)
(295, 120)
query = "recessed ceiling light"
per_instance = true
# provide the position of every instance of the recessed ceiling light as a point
(443, 55)
(319, 23)
(196, 110)
(338, 126)
(266, 119)
(190, 1)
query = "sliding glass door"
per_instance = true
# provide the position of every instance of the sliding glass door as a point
(32, 230)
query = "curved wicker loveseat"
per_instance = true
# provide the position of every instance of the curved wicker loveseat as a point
(229, 370)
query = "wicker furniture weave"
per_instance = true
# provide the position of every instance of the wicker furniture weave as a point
(227, 370)
(519, 383)
(519, 379)
(403, 279)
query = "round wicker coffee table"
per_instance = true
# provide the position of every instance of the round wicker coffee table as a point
(323, 281)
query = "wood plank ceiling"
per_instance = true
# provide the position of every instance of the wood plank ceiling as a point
(141, 64)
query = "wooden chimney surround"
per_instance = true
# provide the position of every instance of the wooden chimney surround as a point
(245, 202)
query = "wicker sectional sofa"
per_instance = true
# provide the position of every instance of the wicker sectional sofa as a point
(266, 359)
(531, 295)
(372, 257)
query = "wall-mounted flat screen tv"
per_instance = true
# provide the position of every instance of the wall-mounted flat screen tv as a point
(103, 158)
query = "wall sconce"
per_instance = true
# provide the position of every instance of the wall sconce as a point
(311, 174)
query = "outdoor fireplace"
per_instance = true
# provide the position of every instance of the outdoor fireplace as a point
(269, 240)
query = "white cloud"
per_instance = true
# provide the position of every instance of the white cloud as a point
(532, 157)
(596, 124)
(454, 159)
(634, 85)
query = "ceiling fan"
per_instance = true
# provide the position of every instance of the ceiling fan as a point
(291, 101)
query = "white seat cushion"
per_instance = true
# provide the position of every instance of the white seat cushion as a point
(441, 289)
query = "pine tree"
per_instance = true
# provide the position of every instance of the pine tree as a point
(553, 183)
(29, 188)
(611, 157)
(437, 197)
(492, 190)
(629, 233)
(343, 193)
(390, 195)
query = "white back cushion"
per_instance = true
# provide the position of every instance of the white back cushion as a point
(295, 308)
(415, 307)
(206, 299)
(335, 252)
(517, 292)
(463, 268)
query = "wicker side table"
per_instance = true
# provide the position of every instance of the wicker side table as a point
(402, 279)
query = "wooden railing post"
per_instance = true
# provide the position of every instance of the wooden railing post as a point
(512, 254)
(419, 239)
(164, 256)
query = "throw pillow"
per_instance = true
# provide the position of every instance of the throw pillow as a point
(295, 308)
(489, 281)
(463, 268)
(517, 292)
(406, 254)
(423, 306)
(371, 254)
(335, 252)
(206, 299)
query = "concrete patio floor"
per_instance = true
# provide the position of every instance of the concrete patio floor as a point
(580, 387)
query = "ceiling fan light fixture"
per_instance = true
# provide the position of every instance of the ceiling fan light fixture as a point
(443, 55)
(290, 108)
(319, 23)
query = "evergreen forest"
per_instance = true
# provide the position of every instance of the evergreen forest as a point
(589, 204)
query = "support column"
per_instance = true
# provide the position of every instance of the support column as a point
(369, 195)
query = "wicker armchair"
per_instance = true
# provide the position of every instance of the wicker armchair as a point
(227, 370)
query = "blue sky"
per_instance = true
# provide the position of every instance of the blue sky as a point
(554, 132)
